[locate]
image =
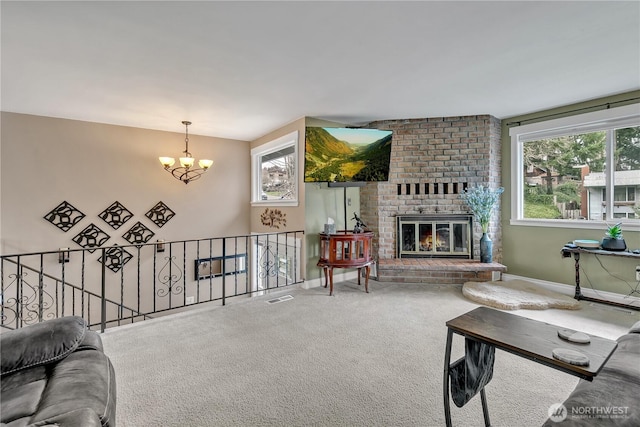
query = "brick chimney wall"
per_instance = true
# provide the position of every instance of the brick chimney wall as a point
(431, 161)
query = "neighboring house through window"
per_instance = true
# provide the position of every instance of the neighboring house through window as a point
(578, 170)
(274, 170)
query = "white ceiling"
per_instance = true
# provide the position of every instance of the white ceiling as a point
(242, 69)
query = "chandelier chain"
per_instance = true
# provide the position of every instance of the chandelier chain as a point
(186, 138)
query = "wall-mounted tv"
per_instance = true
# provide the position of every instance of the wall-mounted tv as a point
(346, 154)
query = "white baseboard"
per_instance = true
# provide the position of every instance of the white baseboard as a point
(571, 290)
(337, 277)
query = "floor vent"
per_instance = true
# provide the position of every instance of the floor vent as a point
(280, 299)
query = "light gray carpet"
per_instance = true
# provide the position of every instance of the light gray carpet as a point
(354, 359)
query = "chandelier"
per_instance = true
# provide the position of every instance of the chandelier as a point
(186, 172)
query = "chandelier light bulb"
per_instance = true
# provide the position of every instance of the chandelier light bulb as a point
(187, 162)
(167, 162)
(205, 163)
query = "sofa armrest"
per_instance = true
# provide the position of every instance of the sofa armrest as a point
(40, 343)
(91, 341)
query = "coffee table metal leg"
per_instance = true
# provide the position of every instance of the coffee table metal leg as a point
(485, 409)
(445, 379)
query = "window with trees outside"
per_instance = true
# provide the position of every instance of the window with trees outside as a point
(275, 171)
(579, 170)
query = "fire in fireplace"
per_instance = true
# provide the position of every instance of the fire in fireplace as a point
(428, 236)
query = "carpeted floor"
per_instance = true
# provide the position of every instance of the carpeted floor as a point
(353, 359)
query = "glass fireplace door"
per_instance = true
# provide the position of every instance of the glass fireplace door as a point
(421, 236)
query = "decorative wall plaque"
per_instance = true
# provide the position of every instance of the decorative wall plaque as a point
(138, 234)
(115, 258)
(274, 218)
(116, 215)
(91, 237)
(64, 216)
(160, 214)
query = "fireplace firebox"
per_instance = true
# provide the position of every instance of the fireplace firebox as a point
(431, 236)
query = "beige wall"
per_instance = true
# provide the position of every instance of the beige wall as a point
(294, 214)
(535, 251)
(46, 161)
(317, 202)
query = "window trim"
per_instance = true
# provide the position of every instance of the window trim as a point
(603, 120)
(267, 148)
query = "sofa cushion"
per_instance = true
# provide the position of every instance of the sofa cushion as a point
(625, 361)
(21, 394)
(83, 380)
(78, 418)
(635, 329)
(41, 343)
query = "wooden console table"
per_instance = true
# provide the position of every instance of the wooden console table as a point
(345, 249)
(576, 251)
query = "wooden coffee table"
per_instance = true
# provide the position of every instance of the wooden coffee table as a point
(526, 338)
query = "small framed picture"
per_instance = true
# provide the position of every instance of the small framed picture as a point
(213, 267)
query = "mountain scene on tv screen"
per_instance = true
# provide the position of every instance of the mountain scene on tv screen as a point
(344, 155)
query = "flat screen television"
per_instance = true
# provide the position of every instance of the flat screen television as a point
(346, 154)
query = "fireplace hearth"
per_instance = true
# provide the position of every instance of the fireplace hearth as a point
(431, 236)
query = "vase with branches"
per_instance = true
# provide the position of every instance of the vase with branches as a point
(481, 201)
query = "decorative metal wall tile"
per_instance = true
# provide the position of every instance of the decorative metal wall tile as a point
(116, 215)
(160, 214)
(91, 237)
(64, 216)
(138, 234)
(115, 258)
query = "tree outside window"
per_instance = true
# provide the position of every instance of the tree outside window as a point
(274, 172)
(585, 170)
(277, 176)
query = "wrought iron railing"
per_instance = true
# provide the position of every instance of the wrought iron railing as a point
(110, 286)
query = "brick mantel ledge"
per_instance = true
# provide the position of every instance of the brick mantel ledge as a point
(438, 270)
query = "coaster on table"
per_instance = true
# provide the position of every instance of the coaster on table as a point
(574, 336)
(572, 357)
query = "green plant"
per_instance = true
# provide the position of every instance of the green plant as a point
(614, 231)
(482, 200)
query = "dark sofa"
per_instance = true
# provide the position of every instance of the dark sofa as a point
(613, 397)
(56, 373)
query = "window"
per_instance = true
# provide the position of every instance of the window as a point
(274, 172)
(578, 170)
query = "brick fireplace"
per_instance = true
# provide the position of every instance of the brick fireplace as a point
(432, 161)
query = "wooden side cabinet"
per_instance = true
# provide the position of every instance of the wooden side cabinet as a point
(345, 249)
